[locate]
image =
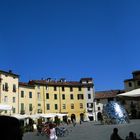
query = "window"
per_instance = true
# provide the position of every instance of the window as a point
(47, 95)
(63, 96)
(30, 94)
(38, 96)
(3, 87)
(14, 99)
(22, 108)
(48, 106)
(22, 94)
(90, 105)
(14, 110)
(6, 86)
(39, 110)
(99, 108)
(71, 96)
(55, 106)
(14, 87)
(71, 89)
(5, 99)
(30, 107)
(80, 96)
(55, 96)
(98, 101)
(88, 88)
(39, 105)
(55, 88)
(63, 89)
(72, 106)
(130, 84)
(81, 105)
(89, 96)
(64, 106)
(79, 88)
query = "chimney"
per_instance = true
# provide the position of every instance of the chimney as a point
(10, 71)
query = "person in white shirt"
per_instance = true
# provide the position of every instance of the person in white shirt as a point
(52, 134)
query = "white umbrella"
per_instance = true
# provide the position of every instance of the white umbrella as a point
(132, 93)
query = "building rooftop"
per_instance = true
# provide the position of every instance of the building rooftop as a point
(60, 83)
(107, 94)
(9, 73)
(25, 84)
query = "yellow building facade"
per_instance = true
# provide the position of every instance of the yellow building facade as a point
(45, 96)
(27, 99)
(9, 90)
(62, 97)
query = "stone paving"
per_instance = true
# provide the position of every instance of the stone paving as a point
(92, 131)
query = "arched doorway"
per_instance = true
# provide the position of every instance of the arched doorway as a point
(73, 117)
(57, 120)
(82, 116)
(65, 118)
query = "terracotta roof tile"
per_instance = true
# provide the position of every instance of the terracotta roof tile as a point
(25, 84)
(59, 83)
(107, 94)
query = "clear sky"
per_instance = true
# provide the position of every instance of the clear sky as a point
(71, 39)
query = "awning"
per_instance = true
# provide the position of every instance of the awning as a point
(48, 115)
(61, 115)
(132, 93)
(35, 116)
(20, 117)
(52, 115)
(5, 107)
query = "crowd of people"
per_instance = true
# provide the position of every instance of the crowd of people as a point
(50, 129)
(54, 130)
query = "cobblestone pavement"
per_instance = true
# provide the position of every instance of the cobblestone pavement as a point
(92, 131)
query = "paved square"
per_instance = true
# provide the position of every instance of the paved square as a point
(92, 131)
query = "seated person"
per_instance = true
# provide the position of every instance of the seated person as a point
(131, 136)
(114, 135)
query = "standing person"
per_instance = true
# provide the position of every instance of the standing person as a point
(52, 135)
(114, 135)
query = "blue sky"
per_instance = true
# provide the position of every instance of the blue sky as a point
(71, 39)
